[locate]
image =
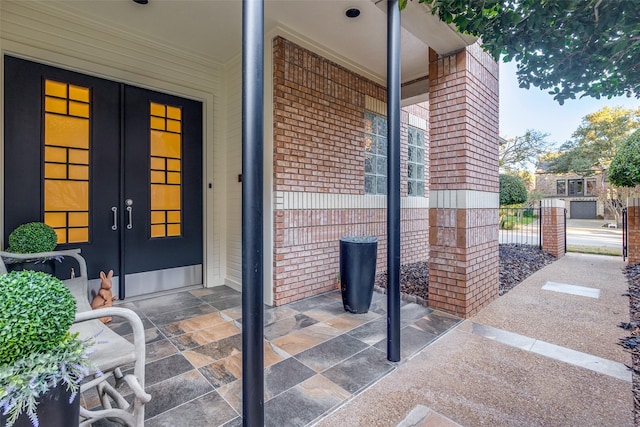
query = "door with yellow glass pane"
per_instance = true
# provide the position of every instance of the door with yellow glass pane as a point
(115, 170)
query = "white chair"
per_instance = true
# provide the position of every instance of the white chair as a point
(111, 351)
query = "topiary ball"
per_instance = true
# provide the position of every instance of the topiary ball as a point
(32, 237)
(36, 312)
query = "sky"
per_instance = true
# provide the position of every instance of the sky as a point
(522, 109)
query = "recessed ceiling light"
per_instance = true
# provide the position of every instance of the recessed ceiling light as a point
(141, 1)
(352, 12)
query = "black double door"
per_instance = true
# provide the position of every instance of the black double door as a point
(115, 169)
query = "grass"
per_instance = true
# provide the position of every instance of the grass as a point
(513, 222)
(597, 250)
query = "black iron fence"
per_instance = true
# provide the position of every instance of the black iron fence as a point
(625, 234)
(522, 226)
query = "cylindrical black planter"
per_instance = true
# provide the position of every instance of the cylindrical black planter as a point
(357, 272)
(53, 410)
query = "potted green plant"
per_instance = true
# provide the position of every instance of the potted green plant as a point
(41, 362)
(29, 238)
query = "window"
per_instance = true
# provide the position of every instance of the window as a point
(375, 154)
(561, 187)
(415, 162)
(576, 187)
(591, 187)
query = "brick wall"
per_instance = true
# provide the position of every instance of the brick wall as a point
(319, 169)
(463, 235)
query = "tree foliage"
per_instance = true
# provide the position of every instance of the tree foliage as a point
(512, 190)
(520, 152)
(625, 167)
(571, 47)
(596, 141)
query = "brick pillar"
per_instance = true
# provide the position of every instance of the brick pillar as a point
(633, 235)
(553, 228)
(464, 188)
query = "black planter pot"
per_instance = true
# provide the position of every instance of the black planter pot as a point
(54, 410)
(357, 272)
(46, 266)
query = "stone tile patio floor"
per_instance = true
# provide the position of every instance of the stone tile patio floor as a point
(317, 356)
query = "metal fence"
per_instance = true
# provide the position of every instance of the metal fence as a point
(520, 226)
(625, 234)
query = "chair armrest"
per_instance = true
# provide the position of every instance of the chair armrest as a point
(136, 324)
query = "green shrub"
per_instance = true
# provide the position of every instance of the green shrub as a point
(508, 225)
(512, 190)
(528, 213)
(31, 238)
(36, 312)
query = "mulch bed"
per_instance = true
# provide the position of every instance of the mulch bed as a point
(632, 342)
(517, 262)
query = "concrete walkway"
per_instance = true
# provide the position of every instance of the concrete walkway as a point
(544, 354)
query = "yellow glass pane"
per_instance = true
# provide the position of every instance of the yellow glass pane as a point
(173, 229)
(78, 172)
(55, 105)
(165, 197)
(164, 144)
(62, 235)
(173, 126)
(157, 163)
(79, 156)
(55, 154)
(66, 195)
(173, 177)
(157, 177)
(158, 217)
(66, 131)
(55, 171)
(55, 219)
(157, 231)
(157, 110)
(55, 88)
(78, 235)
(173, 216)
(157, 123)
(173, 165)
(78, 109)
(79, 93)
(174, 113)
(78, 219)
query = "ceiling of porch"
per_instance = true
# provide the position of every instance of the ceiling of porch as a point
(212, 29)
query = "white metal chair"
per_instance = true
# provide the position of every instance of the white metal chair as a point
(111, 351)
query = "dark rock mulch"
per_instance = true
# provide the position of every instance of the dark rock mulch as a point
(632, 342)
(517, 262)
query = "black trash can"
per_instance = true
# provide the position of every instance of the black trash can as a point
(357, 271)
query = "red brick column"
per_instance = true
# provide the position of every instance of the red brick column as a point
(463, 197)
(553, 228)
(633, 235)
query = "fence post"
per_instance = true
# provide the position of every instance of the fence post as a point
(553, 227)
(633, 231)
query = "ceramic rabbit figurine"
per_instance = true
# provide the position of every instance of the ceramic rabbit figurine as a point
(105, 297)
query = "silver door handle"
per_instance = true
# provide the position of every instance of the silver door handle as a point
(114, 227)
(130, 225)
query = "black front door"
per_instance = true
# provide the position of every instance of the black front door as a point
(115, 169)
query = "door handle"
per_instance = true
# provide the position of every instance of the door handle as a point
(114, 227)
(130, 224)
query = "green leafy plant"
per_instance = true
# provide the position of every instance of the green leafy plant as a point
(512, 190)
(32, 237)
(37, 351)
